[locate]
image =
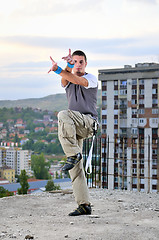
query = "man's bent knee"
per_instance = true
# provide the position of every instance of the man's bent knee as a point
(62, 114)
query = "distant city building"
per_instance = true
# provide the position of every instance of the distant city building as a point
(3, 181)
(24, 140)
(130, 127)
(7, 173)
(16, 159)
(47, 118)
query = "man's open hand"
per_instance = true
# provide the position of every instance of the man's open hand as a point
(54, 65)
(69, 58)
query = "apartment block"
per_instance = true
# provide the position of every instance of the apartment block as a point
(130, 127)
(7, 173)
(16, 159)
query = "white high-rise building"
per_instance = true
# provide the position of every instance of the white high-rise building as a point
(130, 127)
(23, 161)
(16, 158)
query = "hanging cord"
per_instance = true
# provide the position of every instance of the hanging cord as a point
(89, 159)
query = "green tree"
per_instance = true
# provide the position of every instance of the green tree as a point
(39, 147)
(51, 186)
(40, 167)
(57, 176)
(23, 182)
(28, 145)
(5, 193)
(16, 139)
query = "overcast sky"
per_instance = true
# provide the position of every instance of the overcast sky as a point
(113, 33)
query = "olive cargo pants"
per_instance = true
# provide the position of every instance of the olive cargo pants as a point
(73, 127)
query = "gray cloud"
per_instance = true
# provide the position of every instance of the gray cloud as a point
(120, 46)
(56, 7)
(144, 1)
(30, 86)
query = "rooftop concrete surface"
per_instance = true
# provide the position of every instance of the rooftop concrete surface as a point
(116, 215)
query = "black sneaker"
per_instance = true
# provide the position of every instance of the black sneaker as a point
(71, 162)
(81, 210)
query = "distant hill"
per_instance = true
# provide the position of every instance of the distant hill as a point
(55, 102)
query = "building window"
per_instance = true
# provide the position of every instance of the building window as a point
(154, 91)
(154, 171)
(142, 150)
(104, 93)
(134, 181)
(154, 131)
(155, 111)
(141, 111)
(141, 82)
(141, 131)
(134, 161)
(123, 92)
(134, 171)
(104, 83)
(154, 81)
(115, 102)
(154, 151)
(134, 120)
(133, 101)
(141, 120)
(134, 82)
(104, 102)
(142, 171)
(154, 101)
(134, 131)
(154, 120)
(115, 83)
(115, 131)
(104, 112)
(134, 91)
(104, 121)
(123, 84)
(134, 111)
(115, 121)
(104, 131)
(115, 111)
(142, 91)
(116, 178)
(154, 161)
(142, 161)
(141, 101)
(115, 92)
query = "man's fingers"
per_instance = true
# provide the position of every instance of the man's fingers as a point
(64, 58)
(52, 59)
(69, 51)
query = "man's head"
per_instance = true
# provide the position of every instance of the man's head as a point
(80, 61)
(79, 53)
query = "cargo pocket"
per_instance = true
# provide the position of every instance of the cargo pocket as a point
(66, 130)
(89, 127)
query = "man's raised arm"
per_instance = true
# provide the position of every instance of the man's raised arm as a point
(67, 76)
(68, 68)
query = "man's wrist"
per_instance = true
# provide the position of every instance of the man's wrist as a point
(58, 70)
(70, 65)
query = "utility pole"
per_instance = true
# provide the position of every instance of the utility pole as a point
(123, 163)
(158, 162)
(138, 163)
(148, 164)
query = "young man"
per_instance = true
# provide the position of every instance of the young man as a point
(76, 123)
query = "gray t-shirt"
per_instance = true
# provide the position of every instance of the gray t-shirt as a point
(83, 99)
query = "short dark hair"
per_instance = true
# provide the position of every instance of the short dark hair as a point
(79, 53)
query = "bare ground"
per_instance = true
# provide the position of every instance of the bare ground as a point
(116, 215)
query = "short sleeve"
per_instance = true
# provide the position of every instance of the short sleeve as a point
(92, 80)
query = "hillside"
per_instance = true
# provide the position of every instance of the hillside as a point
(54, 102)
